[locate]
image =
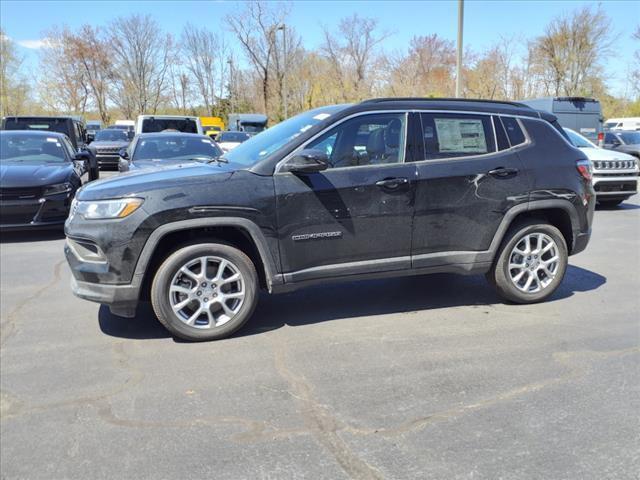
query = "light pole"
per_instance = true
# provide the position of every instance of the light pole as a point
(459, 56)
(285, 102)
(232, 87)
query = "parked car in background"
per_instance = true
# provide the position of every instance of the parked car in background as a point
(176, 123)
(107, 146)
(252, 123)
(615, 174)
(212, 126)
(628, 123)
(580, 114)
(459, 186)
(158, 150)
(40, 173)
(230, 140)
(72, 127)
(623, 141)
(93, 126)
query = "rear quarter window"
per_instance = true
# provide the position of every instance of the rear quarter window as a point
(514, 131)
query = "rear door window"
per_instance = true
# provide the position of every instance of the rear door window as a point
(451, 135)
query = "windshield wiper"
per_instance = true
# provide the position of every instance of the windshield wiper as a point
(217, 159)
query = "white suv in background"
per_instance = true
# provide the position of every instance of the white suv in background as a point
(615, 174)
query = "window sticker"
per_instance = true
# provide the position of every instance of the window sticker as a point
(322, 116)
(52, 140)
(458, 135)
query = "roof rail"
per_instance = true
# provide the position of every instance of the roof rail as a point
(444, 99)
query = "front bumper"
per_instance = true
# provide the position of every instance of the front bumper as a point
(45, 212)
(615, 183)
(122, 300)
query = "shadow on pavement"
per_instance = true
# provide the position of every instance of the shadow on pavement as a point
(354, 299)
(623, 206)
(22, 236)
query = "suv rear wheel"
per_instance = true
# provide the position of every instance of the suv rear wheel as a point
(205, 291)
(530, 264)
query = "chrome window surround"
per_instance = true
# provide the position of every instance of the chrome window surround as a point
(341, 121)
(518, 118)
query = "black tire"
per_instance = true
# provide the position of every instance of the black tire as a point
(499, 275)
(162, 282)
(611, 203)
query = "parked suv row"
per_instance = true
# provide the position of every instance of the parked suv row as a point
(384, 188)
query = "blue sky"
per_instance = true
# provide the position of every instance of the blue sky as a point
(485, 21)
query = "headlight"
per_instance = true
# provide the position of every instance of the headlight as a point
(58, 188)
(103, 209)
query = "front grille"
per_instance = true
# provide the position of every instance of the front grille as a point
(27, 193)
(614, 164)
(107, 150)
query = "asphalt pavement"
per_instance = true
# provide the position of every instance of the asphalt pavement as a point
(425, 377)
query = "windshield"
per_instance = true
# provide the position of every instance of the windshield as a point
(176, 147)
(34, 149)
(630, 138)
(578, 140)
(111, 135)
(234, 137)
(185, 125)
(93, 126)
(267, 142)
(610, 124)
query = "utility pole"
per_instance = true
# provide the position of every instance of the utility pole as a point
(285, 102)
(459, 59)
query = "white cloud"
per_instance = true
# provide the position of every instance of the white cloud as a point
(34, 44)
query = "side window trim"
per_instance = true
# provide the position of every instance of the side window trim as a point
(301, 147)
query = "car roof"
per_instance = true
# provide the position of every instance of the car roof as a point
(466, 104)
(42, 133)
(43, 117)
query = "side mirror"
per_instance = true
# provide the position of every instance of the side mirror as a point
(123, 153)
(615, 142)
(82, 156)
(130, 135)
(308, 161)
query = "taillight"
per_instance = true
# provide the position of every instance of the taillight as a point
(601, 139)
(584, 168)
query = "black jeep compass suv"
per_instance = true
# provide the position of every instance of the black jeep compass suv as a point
(383, 188)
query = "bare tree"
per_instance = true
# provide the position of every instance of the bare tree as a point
(142, 56)
(255, 29)
(204, 50)
(352, 52)
(571, 47)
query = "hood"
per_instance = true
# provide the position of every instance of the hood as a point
(110, 144)
(142, 182)
(166, 163)
(602, 154)
(24, 175)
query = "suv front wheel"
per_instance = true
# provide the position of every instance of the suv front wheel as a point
(531, 263)
(205, 291)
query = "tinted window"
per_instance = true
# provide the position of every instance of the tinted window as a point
(448, 135)
(364, 140)
(609, 138)
(578, 140)
(234, 137)
(25, 148)
(185, 125)
(111, 135)
(630, 138)
(514, 132)
(501, 135)
(174, 147)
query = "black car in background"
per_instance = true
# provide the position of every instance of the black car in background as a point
(623, 141)
(107, 145)
(153, 150)
(40, 173)
(383, 188)
(72, 127)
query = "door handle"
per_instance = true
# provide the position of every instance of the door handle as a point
(502, 172)
(392, 183)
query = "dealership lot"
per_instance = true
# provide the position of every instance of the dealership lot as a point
(426, 377)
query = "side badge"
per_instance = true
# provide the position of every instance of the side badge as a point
(316, 236)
